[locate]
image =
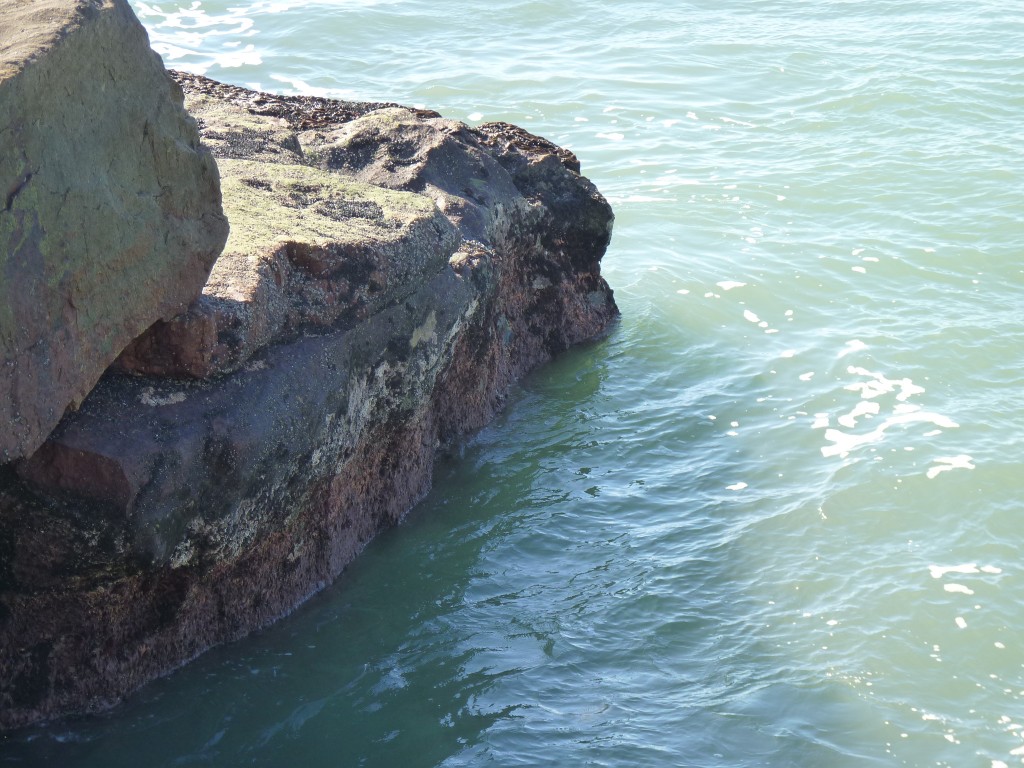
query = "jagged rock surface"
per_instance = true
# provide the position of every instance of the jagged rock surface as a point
(390, 275)
(110, 212)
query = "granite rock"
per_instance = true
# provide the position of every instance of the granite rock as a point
(390, 275)
(110, 213)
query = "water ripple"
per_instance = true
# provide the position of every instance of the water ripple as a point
(712, 538)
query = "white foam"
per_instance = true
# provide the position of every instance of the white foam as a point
(611, 136)
(854, 345)
(938, 571)
(946, 463)
(736, 487)
(961, 622)
(845, 443)
(908, 389)
(245, 57)
(309, 90)
(475, 116)
(863, 408)
(958, 589)
(172, 52)
(750, 316)
(880, 385)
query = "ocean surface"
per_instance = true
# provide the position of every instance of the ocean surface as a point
(776, 516)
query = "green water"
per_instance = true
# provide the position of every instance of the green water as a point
(774, 519)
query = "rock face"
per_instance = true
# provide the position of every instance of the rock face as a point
(389, 275)
(110, 213)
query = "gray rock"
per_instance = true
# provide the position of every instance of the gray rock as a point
(307, 249)
(110, 214)
(390, 275)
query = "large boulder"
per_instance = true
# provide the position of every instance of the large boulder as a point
(110, 213)
(390, 275)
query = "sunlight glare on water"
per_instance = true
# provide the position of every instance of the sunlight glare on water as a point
(773, 519)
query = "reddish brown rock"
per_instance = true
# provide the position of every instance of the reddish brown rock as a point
(339, 347)
(110, 215)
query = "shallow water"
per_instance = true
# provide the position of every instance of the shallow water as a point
(774, 518)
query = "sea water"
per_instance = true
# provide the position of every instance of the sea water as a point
(774, 518)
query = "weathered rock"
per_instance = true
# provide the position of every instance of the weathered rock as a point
(307, 249)
(110, 212)
(389, 277)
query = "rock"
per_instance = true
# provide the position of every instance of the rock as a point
(389, 276)
(110, 214)
(307, 249)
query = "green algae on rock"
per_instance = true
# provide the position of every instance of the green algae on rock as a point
(307, 249)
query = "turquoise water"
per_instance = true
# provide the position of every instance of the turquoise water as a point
(774, 519)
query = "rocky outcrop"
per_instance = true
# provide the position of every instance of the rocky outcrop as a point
(389, 275)
(307, 249)
(110, 212)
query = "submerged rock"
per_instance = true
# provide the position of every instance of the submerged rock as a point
(390, 274)
(110, 213)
